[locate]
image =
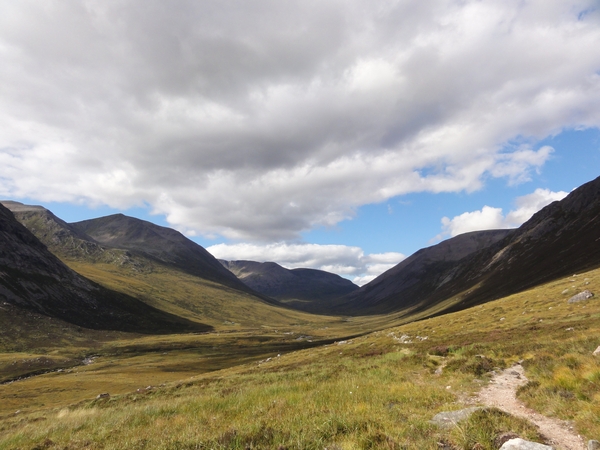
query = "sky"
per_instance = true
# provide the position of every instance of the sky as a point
(337, 135)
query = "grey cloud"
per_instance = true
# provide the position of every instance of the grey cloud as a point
(258, 120)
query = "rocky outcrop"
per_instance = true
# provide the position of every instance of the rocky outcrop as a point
(66, 241)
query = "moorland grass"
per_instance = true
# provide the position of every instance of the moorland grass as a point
(373, 391)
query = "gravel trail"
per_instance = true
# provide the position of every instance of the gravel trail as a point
(501, 393)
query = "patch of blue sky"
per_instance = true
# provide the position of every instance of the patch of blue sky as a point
(407, 223)
(576, 159)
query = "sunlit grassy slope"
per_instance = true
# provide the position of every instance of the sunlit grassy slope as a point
(378, 390)
(224, 308)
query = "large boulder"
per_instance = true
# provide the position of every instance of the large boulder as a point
(585, 295)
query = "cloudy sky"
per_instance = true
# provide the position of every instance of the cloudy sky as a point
(342, 135)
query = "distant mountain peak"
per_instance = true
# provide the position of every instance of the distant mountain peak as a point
(311, 288)
(161, 243)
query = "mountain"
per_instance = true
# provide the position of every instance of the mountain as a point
(33, 278)
(68, 242)
(300, 288)
(157, 266)
(406, 284)
(162, 244)
(561, 239)
(121, 240)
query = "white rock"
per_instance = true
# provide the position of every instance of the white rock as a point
(585, 295)
(522, 444)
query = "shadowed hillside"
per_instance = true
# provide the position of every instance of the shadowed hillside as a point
(305, 289)
(428, 269)
(33, 278)
(561, 239)
(150, 268)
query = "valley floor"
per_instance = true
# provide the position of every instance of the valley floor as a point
(268, 388)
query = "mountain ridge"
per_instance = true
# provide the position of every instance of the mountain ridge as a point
(300, 288)
(560, 239)
(161, 243)
(33, 278)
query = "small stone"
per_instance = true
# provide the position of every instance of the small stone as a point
(448, 419)
(593, 445)
(103, 395)
(597, 351)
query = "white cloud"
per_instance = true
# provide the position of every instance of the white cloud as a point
(489, 218)
(528, 205)
(264, 120)
(347, 261)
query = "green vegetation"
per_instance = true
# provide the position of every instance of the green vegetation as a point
(377, 390)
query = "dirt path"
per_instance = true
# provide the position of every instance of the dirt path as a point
(501, 394)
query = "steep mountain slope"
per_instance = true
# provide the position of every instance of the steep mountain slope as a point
(159, 243)
(425, 271)
(561, 239)
(304, 287)
(68, 242)
(31, 277)
(157, 281)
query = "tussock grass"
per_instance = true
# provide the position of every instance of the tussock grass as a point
(376, 391)
(484, 428)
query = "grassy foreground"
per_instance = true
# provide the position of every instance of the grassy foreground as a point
(374, 391)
